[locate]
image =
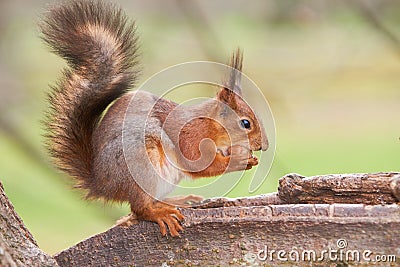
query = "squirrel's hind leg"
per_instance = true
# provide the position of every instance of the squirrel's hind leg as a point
(164, 215)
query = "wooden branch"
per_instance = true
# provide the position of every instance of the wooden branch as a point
(235, 236)
(265, 230)
(250, 231)
(17, 245)
(371, 189)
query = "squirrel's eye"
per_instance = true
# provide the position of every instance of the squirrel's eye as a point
(245, 124)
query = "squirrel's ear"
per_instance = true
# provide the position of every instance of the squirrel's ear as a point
(233, 85)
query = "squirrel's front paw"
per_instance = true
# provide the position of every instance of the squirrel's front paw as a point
(253, 161)
(241, 158)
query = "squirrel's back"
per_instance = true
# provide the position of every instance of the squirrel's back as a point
(100, 46)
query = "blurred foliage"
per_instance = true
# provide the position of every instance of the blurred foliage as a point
(331, 76)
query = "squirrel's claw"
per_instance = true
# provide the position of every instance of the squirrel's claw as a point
(172, 223)
(165, 216)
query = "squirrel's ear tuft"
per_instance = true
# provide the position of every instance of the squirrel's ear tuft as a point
(233, 84)
(235, 76)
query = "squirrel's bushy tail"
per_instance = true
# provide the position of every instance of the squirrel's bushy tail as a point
(100, 46)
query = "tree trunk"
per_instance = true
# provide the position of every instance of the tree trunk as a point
(17, 246)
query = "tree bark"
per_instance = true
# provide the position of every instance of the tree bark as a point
(17, 245)
(342, 220)
(371, 189)
(331, 220)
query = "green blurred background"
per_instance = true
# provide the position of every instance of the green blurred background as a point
(329, 69)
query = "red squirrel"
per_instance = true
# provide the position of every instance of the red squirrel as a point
(88, 111)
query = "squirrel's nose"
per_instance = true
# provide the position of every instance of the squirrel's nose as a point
(264, 140)
(264, 145)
